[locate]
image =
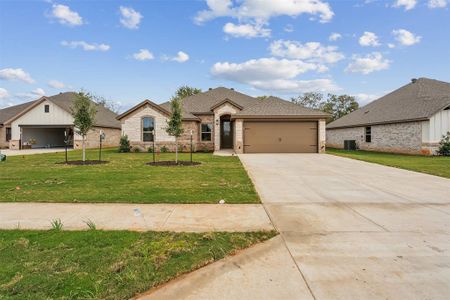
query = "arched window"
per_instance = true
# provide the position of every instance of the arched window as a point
(148, 125)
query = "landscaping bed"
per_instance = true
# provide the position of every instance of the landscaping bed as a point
(171, 163)
(105, 264)
(126, 178)
(434, 165)
(84, 163)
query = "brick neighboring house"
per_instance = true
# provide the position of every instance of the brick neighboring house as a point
(47, 119)
(411, 119)
(223, 118)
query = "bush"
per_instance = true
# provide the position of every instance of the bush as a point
(137, 149)
(444, 145)
(124, 144)
(150, 149)
(164, 149)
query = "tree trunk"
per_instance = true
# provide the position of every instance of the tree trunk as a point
(176, 150)
(84, 147)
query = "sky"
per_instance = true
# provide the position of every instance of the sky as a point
(128, 51)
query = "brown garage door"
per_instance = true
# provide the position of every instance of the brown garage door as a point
(280, 137)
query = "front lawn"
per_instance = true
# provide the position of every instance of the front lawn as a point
(126, 178)
(434, 165)
(105, 264)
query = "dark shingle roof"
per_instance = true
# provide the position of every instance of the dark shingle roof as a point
(9, 112)
(273, 106)
(203, 102)
(103, 118)
(417, 100)
(185, 114)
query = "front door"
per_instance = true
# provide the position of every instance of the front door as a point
(226, 134)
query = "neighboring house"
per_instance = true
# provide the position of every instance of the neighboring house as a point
(412, 120)
(43, 123)
(222, 118)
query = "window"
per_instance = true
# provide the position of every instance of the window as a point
(206, 132)
(147, 129)
(368, 134)
(46, 108)
(8, 134)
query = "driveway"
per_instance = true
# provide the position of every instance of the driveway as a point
(357, 230)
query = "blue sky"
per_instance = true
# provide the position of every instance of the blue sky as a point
(128, 51)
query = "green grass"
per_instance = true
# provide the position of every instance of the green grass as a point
(105, 264)
(125, 178)
(434, 165)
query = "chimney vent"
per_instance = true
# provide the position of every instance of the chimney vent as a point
(414, 80)
(232, 89)
(209, 89)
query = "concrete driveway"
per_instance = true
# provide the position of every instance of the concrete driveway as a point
(357, 230)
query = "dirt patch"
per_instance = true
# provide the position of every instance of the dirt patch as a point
(84, 163)
(171, 163)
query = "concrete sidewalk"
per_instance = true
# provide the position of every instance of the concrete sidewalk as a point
(139, 217)
(9, 152)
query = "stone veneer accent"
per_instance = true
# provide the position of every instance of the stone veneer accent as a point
(224, 109)
(239, 136)
(398, 138)
(322, 136)
(112, 138)
(3, 142)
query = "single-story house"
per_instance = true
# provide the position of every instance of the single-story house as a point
(411, 119)
(223, 118)
(43, 123)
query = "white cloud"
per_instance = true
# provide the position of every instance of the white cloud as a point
(364, 99)
(263, 10)
(311, 51)
(3, 93)
(56, 84)
(367, 64)
(407, 4)
(437, 3)
(66, 16)
(38, 92)
(369, 39)
(130, 18)
(143, 54)
(86, 46)
(405, 37)
(391, 46)
(273, 74)
(334, 36)
(246, 30)
(288, 28)
(15, 74)
(181, 57)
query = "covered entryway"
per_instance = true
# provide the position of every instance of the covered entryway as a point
(226, 132)
(280, 137)
(40, 136)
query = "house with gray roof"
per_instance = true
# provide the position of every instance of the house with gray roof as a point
(411, 119)
(223, 118)
(45, 122)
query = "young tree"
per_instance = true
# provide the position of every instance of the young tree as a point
(174, 127)
(83, 112)
(312, 100)
(339, 106)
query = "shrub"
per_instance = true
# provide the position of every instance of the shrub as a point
(150, 149)
(164, 149)
(137, 149)
(444, 145)
(124, 144)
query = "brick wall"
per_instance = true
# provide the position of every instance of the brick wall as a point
(93, 138)
(398, 138)
(3, 142)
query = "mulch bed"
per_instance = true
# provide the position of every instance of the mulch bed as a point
(84, 163)
(171, 163)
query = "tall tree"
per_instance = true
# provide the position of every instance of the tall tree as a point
(186, 91)
(109, 104)
(339, 106)
(175, 127)
(83, 113)
(263, 97)
(310, 100)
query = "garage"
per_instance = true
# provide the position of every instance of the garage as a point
(44, 136)
(280, 137)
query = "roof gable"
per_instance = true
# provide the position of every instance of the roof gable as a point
(418, 100)
(226, 100)
(146, 102)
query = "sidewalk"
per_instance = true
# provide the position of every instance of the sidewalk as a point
(139, 217)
